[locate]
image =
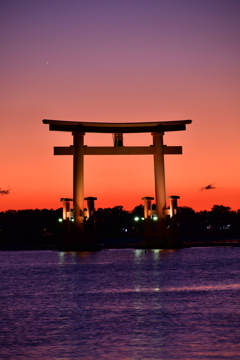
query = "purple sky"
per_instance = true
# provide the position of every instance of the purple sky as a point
(119, 61)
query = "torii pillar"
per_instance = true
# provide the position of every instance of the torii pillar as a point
(66, 207)
(147, 207)
(78, 182)
(160, 189)
(175, 242)
(173, 204)
(159, 175)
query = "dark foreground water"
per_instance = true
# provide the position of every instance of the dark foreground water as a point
(120, 304)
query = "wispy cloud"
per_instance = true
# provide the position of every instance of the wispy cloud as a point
(4, 192)
(208, 187)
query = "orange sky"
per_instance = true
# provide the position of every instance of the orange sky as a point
(118, 62)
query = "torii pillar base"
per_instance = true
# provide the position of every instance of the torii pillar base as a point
(90, 234)
(147, 220)
(158, 238)
(175, 240)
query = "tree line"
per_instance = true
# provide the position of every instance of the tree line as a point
(42, 229)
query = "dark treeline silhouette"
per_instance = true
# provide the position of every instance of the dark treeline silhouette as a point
(221, 221)
(29, 229)
(41, 229)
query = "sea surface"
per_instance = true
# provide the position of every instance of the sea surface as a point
(120, 304)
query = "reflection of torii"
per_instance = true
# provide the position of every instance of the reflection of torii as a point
(78, 150)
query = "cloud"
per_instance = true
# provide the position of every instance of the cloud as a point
(4, 192)
(208, 187)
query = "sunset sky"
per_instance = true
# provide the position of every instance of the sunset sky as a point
(120, 61)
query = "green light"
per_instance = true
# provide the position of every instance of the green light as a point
(136, 218)
(60, 220)
(155, 218)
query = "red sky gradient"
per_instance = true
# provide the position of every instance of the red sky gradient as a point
(120, 61)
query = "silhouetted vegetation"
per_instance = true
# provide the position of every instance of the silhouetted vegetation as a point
(221, 221)
(41, 229)
(29, 229)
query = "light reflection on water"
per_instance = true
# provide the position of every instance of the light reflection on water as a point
(120, 304)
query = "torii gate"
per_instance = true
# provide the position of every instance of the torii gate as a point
(78, 150)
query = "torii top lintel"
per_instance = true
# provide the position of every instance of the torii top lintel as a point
(98, 127)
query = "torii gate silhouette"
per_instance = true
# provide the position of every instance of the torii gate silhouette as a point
(78, 151)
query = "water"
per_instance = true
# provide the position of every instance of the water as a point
(120, 304)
